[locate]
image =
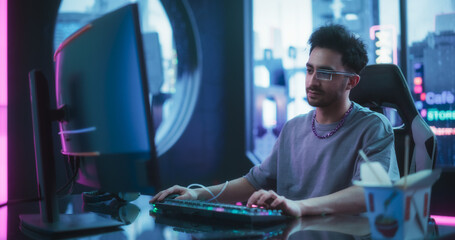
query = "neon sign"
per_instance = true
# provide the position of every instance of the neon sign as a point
(445, 97)
(385, 38)
(443, 131)
(434, 114)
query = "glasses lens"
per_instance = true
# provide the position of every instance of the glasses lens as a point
(323, 76)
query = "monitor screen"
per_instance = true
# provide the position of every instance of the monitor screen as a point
(102, 85)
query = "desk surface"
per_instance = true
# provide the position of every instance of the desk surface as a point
(140, 225)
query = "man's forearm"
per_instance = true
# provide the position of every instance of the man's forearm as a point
(349, 200)
(236, 190)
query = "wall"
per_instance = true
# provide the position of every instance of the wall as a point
(30, 32)
(212, 149)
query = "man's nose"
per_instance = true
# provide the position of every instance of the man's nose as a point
(312, 80)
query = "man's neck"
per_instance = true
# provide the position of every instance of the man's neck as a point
(332, 113)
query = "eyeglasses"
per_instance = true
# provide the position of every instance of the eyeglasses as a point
(326, 75)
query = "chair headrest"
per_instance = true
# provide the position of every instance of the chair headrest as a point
(385, 85)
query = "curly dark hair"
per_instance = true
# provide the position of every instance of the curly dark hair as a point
(337, 38)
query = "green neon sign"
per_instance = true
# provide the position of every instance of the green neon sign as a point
(435, 114)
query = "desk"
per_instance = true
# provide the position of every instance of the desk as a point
(140, 225)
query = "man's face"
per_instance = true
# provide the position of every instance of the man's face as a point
(323, 93)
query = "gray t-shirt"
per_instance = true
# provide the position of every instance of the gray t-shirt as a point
(303, 166)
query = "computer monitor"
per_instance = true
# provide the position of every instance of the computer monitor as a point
(104, 113)
(101, 80)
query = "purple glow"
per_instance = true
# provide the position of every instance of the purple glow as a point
(219, 209)
(3, 117)
(3, 222)
(3, 54)
(423, 113)
(444, 220)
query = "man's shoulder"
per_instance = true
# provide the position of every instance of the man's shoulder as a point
(366, 115)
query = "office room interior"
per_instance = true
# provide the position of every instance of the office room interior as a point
(245, 65)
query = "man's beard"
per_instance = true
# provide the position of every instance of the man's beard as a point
(324, 99)
(316, 103)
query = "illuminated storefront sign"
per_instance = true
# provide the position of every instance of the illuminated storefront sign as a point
(445, 97)
(433, 106)
(434, 114)
(443, 131)
(385, 40)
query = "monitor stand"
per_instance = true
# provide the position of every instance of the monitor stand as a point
(67, 223)
(50, 221)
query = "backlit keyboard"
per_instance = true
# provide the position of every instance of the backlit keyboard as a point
(218, 211)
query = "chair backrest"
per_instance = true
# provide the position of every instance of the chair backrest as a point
(383, 85)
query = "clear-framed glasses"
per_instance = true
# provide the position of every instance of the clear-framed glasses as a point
(326, 75)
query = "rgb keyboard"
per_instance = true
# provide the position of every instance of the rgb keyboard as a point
(226, 212)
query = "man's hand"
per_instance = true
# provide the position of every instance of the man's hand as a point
(185, 193)
(271, 200)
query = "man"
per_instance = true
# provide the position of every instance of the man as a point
(315, 158)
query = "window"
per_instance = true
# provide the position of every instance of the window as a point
(280, 51)
(431, 75)
(280, 31)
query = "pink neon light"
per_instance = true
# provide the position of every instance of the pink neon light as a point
(423, 96)
(375, 28)
(3, 222)
(444, 220)
(442, 131)
(418, 89)
(3, 117)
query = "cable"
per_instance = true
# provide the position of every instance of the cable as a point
(201, 186)
(75, 169)
(208, 190)
(20, 201)
(222, 190)
(74, 165)
(69, 174)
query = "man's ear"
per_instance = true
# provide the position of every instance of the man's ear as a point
(352, 82)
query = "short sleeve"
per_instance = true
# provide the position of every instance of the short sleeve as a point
(378, 144)
(264, 175)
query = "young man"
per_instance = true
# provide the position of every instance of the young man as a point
(315, 158)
